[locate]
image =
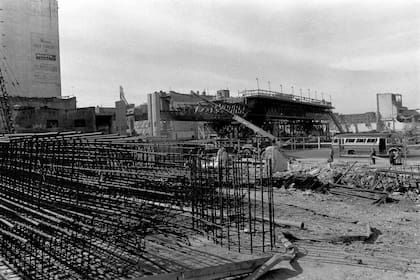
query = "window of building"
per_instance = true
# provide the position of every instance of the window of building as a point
(52, 123)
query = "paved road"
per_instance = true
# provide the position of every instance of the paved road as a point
(323, 154)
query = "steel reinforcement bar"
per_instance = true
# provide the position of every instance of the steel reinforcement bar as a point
(77, 208)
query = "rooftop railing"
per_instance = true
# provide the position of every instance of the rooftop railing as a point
(284, 96)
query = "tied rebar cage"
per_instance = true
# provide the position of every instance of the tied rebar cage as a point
(79, 208)
(232, 202)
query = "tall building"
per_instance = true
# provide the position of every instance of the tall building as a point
(29, 47)
(391, 114)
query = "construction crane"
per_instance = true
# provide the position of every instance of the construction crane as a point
(129, 111)
(129, 107)
(253, 127)
(122, 96)
(5, 106)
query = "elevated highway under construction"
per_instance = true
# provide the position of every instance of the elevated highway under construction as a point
(280, 115)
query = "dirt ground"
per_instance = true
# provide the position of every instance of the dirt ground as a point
(393, 253)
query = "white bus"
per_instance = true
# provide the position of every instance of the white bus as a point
(362, 143)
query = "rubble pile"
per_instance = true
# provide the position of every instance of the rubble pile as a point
(299, 181)
(397, 183)
(322, 178)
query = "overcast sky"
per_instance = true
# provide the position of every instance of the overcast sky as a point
(347, 49)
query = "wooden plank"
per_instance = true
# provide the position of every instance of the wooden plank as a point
(213, 272)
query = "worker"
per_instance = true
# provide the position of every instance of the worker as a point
(392, 158)
(340, 148)
(397, 157)
(372, 156)
(331, 159)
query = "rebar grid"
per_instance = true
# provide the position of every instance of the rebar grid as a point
(81, 208)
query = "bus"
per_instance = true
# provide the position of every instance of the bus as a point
(362, 143)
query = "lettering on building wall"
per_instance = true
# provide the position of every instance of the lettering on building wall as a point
(44, 59)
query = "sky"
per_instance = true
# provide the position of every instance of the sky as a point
(346, 50)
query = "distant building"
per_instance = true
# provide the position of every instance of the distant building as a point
(357, 122)
(45, 114)
(172, 115)
(223, 94)
(391, 114)
(30, 114)
(29, 47)
(105, 119)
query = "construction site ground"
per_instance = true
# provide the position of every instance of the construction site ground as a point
(393, 253)
(346, 234)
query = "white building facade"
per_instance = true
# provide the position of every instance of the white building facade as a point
(29, 47)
